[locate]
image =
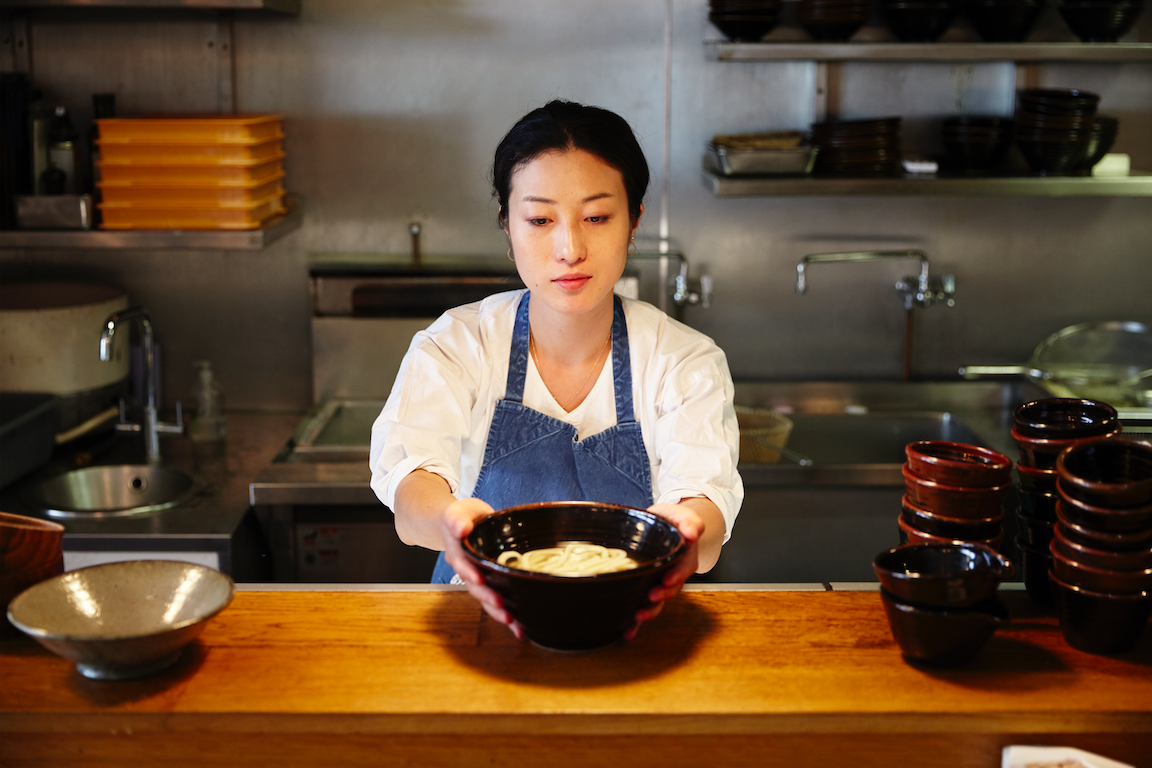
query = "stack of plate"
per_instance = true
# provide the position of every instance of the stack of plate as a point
(832, 20)
(744, 21)
(191, 172)
(1053, 127)
(976, 144)
(858, 147)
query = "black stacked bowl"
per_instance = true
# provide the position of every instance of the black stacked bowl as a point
(1003, 21)
(976, 144)
(744, 21)
(1100, 141)
(832, 20)
(1053, 127)
(1100, 21)
(919, 21)
(858, 148)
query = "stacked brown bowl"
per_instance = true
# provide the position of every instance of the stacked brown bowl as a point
(858, 148)
(1102, 545)
(1042, 429)
(744, 21)
(31, 551)
(954, 492)
(1053, 128)
(832, 21)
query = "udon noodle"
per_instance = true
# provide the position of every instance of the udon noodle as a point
(574, 559)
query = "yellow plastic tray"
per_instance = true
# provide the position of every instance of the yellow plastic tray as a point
(189, 130)
(140, 216)
(190, 154)
(199, 175)
(180, 194)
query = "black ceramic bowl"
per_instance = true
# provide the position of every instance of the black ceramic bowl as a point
(1113, 541)
(1034, 530)
(1100, 623)
(1003, 21)
(953, 528)
(1116, 472)
(955, 575)
(1059, 101)
(943, 637)
(1061, 418)
(1100, 21)
(1100, 140)
(1036, 561)
(743, 28)
(565, 612)
(920, 21)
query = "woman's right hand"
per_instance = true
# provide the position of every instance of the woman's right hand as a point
(456, 523)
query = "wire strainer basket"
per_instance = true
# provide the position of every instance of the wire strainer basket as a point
(762, 432)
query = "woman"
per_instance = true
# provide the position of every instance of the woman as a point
(562, 392)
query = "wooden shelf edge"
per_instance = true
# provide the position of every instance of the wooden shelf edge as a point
(1138, 184)
(721, 50)
(148, 239)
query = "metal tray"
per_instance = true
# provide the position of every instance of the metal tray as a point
(760, 162)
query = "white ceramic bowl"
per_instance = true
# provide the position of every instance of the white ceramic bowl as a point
(122, 620)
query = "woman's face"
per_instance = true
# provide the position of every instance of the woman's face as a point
(569, 228)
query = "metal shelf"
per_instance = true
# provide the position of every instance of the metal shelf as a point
(152, 239)
(286, 7)
(720, 50)
(1138, 184)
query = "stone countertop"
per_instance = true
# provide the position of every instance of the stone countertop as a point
(221, 499)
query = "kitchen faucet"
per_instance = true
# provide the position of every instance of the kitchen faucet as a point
(152, 427)
(681, 290)
(915, 290)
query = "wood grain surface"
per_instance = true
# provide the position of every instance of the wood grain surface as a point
(727, 678)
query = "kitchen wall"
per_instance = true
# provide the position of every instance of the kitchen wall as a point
(392, 110)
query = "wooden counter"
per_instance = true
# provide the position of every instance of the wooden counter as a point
(721, 678)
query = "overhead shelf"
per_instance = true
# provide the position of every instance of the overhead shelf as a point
(150, 239)
(286, 7)
(1019, 52)
(1138, 184)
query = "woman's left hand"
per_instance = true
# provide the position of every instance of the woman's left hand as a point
(691, 527)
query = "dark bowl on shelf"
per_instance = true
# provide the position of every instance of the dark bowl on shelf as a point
(979, 156)
(1041, 453)
(1100, 623)
(1059, 101)
(943, 637)
(574, 612)
(1116, 472)
(1106, 519)
(1135, 560)
(1126, 541)
(920, 22)
(965, 529)
(997, 21)
(953, 463)
(1059, 161)
(743, 28)
(839, 129)
(1035, 562)
(1100, 140)
(1099, 21)
(1096, 579)
(942, 575)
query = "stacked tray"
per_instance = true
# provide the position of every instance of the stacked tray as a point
(217, 172)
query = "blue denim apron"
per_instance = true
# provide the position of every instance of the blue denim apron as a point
(531, 457)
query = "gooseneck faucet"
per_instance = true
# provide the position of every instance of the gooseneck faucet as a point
(152, 427)
(915, 290)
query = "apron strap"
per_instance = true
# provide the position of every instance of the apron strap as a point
(518, 355)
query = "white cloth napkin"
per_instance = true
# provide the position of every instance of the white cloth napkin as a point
(1055, 757)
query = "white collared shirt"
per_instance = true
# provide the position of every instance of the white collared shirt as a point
(440, 409)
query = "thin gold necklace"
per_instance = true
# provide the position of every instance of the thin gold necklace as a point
(595, 367)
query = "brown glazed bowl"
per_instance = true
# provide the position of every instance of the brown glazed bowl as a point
(1041, 452)
(1106, 519)
(1095, 622)
(574, 613)
(1098, 579)
(1135, 560)
(1039, 505)
(31, 551)
(1036, 562)
(954, 500)
(943, 637)
(1065, 418)
(911, 535)
(956, 575)
(959, 464)
(1034, 530)
(950, 527)
(1038, 480)
(1127, 541)
(1116, 472)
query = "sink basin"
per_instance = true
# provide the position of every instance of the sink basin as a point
(119, 490)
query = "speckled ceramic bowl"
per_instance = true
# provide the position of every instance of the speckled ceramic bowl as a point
(122, 620)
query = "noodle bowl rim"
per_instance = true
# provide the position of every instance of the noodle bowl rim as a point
(490, 562)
